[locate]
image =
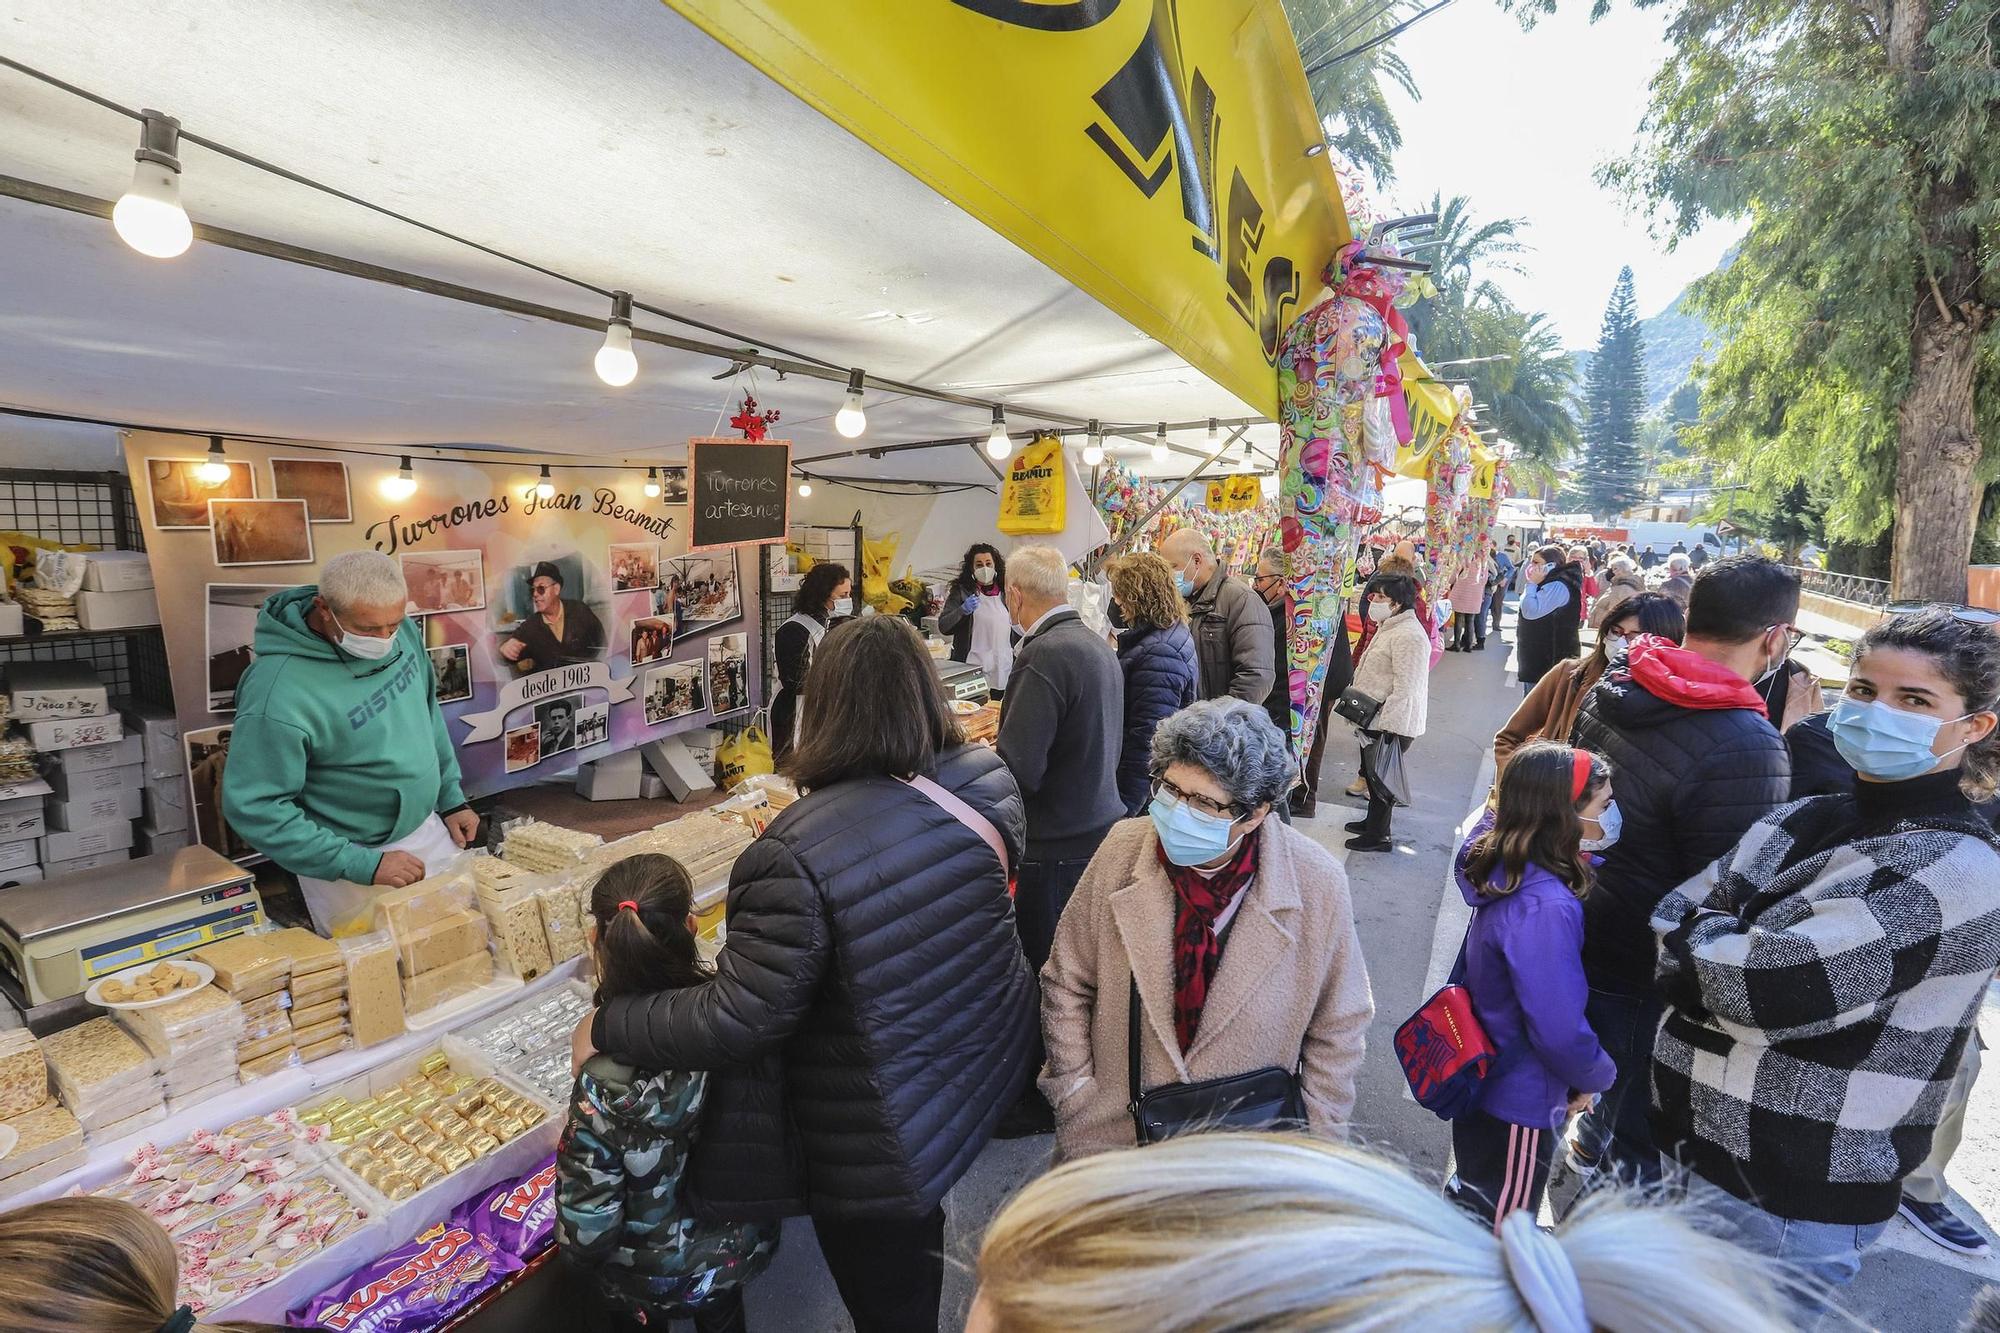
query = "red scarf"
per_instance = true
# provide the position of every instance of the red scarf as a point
(1199, 899)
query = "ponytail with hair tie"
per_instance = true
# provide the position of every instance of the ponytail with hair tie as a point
(626, 904)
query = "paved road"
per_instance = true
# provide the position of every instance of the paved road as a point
(1410, 929)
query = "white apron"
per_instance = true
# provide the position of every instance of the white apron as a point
(815, 631)
(992, 647)
(340, 907)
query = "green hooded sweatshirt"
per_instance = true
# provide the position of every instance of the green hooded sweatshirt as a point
(331, 754)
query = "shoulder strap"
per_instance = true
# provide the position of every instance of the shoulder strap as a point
(1132, 1040)
(966, 815)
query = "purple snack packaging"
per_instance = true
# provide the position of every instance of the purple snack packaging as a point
(414, 1287)
(518, 1216)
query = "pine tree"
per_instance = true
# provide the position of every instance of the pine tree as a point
(1614, 397)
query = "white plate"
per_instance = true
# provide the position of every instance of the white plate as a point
(202, 971)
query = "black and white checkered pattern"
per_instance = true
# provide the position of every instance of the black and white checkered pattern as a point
(1817, 1011)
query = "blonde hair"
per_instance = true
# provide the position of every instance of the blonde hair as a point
(1286, 1232)
(1144, 586)
(1039, 571)
(86, 1265)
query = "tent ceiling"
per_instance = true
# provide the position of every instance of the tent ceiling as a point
(613, 141)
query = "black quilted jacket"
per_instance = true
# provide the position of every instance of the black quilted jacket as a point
(1689, 782)
(871, 1009)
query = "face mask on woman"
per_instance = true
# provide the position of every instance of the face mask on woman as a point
(983, 576)
(1187, 836)
(1116, 614)
(1609, 825)
(1614, 644)
(1380, 611)
(842, 606)
(1888, 744)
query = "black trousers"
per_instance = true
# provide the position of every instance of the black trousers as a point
(1499, 1167)
(1041, 891)
(890, 1271)
(1468, 629)
(1497, 607)
(1381, 808)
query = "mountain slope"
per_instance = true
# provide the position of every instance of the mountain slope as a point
(1674, 339)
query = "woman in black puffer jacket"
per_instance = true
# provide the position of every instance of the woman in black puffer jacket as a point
(1549, 629)
(1156, 654)
(871, 1009)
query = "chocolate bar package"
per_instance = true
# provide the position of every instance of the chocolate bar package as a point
(517, 1215)
(418, 1286)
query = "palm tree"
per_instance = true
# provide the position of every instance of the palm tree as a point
(1351, 94)
(1462, 252)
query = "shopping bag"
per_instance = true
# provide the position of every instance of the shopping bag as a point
(1382, 761)
(745, 754)
(1033, 500)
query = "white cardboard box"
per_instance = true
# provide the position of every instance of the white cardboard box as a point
(20, 818)
(165, 803)
(147, 840)
(14, 855)
(120, 753)
(612, 778)
(96, 782)
(64, 733)
(676, 767)
(39, 690)
(12, 623)
(88, 812)
(117, 610)
(96, 860)
(72, 846)
(20, 875)
(159, 731)
(117, 571)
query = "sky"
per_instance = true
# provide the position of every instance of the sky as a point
(1520, 122)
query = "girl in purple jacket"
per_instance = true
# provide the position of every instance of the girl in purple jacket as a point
(1524, 872)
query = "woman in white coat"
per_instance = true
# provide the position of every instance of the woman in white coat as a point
(1396, 671)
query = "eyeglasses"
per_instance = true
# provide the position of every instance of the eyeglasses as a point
(1970, 615)
(1231, 810)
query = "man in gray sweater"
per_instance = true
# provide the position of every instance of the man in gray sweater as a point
(1061, 727)
(1232, 627)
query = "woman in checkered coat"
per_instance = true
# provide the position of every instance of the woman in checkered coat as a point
(1823, 976)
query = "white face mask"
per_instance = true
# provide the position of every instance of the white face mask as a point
(363, 646)
(1379, 611)
(843, 606)
(1614, 644)
(1610, 823)
(984, 575)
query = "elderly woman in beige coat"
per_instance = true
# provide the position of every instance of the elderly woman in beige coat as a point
(1236, 929)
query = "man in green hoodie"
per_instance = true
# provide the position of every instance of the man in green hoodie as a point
(340, 768)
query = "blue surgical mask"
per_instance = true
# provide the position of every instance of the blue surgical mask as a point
(363, 646)
(843, 606)
(1183, 584)
(1609, 824)
(1187, 836)
(1884, 743)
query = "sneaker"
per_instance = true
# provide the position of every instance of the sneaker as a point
(1942, 1225)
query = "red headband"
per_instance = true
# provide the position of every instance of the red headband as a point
(635, 907)
(1585, 763)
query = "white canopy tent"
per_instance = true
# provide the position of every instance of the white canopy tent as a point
(614, 142)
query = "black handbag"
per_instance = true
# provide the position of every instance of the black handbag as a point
(1270, 1098)
(1357, 707)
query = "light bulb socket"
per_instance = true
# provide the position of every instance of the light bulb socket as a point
(621, 309)
(159, 140)
(854, 380)
(215, 446)
(405, 471)
(545, 472)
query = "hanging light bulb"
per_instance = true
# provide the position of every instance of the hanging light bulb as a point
(545, 488)
(149, 216)
(998, 446)
(403, 485)
(1093, 445)
(652, 483)
(805, 488)
(615, 363)
(1160, 450)
(215, 468)
(851, 420)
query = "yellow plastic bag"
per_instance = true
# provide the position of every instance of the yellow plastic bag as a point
(1244, 494)
(745, 754)
(1032, 498)
(1218, 496)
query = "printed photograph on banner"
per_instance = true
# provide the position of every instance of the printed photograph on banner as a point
(674, 484)
(524, 747)
(260, 532)
(545, 618)
(442, 581)
(593, 725)
(667, 606)
(320, 482)
(674, 691)
(207, 755)
(652, 639)
(557, 720)
(180, 498)
(451, 667)
(232, 632)
(728, 674)
(634, 566)
(705, 589)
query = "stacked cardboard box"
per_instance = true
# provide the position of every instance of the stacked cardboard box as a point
(163, 793)
(92, 790)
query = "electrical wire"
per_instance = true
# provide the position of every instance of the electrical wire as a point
(1357, 22)
(1384, 38)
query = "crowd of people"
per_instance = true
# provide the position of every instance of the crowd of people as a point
(1731, 956)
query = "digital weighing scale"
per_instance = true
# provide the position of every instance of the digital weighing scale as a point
(58, 936)
(962, 680)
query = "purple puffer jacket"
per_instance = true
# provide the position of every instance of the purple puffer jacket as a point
(1524, 968)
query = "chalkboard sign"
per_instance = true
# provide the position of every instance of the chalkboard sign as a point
(741, 491)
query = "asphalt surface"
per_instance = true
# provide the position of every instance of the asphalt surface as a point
(1410, 927)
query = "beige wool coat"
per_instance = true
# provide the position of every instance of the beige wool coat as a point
(1291, 981)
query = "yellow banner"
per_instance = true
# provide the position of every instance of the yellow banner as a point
(1153, 152)
(1484, 465)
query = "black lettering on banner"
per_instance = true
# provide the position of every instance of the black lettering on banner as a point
(1058, 16)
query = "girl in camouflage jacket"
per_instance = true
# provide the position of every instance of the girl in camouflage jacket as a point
(624, 1226)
